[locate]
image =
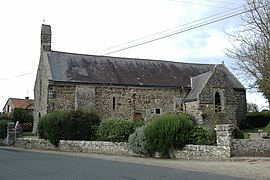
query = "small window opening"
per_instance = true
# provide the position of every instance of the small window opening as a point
(217, 103)
(157, 111)
(113, 106)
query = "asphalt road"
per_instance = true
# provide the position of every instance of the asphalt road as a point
(25, 165)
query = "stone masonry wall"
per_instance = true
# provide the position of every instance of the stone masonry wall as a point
(61, 97)
(109, 101)
(41, 90)
(103, 147)
(202, 152)
(217, 83)
(251, 147)
(192, 108)
(189, 151)
(130, 100)
(121, 148)
(241, 106)
(226, 146)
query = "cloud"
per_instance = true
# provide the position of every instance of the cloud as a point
(84, 26)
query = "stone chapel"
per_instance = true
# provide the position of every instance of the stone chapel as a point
(132, 88)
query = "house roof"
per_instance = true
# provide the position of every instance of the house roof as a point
(198, 83)
(22, 103)
(79, 68)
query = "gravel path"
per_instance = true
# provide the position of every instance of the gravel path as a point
(254, 168)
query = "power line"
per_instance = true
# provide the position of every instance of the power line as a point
(170, 29)
(229, 3)
(17, 76)
(200, 4)
(184, 30)
(175, 33)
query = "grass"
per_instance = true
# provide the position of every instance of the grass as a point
(255, 130)
(2, 143)
(267, 128)
(246, 131)
(27, 134)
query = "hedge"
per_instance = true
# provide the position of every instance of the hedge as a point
(68, 125)
(115, 130)
(258, 119)
(168, 132)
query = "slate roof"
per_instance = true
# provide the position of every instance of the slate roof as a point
(79, 68)
(198, 83)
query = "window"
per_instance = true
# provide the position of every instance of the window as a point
(138, 116)
(52, 95)
(157, 111)
(113, 103)
(217, 102)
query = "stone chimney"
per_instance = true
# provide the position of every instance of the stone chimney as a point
(45, 37)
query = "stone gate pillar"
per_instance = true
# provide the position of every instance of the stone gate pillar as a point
(224, 134)
(10, 133)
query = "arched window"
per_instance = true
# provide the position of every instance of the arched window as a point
(217, 102)
(113, 103)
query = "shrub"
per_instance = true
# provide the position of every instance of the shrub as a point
(41, 128)
(3, 128)
(202, 136)
(238, 134)
(258, 119)
(22, 115)
(267, 128)
(80, 125)
(137, 142)
(115, 130)
(51, 125)
(166, 132)
(68, 125)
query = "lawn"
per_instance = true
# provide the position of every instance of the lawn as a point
(246, 131)
(27, 134)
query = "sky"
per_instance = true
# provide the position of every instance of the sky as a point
(94, 26)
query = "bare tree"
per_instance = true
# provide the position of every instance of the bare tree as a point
(251, 45)
(251, 107)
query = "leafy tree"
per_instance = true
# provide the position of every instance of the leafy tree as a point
(22, 115)
(4, 116)
(251, 45)
(251, 107)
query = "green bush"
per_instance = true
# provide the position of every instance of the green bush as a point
(267, 128)
(80, 125)
(68, 125)
(3, 128)
(202, 136)
(137, 142)
(167, 132)
(238, 134)
(51, 126)
(115, 130)
(41, 127)
(258, 119)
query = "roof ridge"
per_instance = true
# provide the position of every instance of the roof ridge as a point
(130, 58)
(21, 99)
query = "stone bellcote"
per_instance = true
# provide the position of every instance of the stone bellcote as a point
(45, 37)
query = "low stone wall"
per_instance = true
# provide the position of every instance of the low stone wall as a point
(251, 147)
(121, 148)
(103, 147)
(226, 146)
(203, 152)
